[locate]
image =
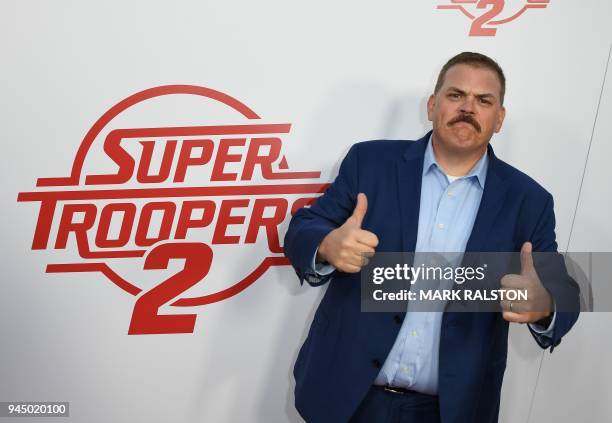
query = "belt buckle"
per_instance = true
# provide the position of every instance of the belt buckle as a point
(393, 390)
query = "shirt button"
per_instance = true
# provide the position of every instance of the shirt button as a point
(440, 225)
(451, 194)
(414, 333)
(376, 364)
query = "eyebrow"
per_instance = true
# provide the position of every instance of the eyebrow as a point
(459, 91)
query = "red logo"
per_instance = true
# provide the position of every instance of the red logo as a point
(142, 196)
(499, 12)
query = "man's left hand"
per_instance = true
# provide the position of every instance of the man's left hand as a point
(539, 303)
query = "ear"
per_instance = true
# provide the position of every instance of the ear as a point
(431, 103)
(500, 119)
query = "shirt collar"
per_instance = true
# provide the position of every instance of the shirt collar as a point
(479, 170)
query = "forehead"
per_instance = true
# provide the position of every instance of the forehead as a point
(472, 79)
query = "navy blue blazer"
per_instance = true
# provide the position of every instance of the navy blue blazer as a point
(345, 347)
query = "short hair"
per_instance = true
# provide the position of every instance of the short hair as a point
(476, 60)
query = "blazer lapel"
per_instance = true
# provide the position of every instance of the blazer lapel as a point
(490, 205)
(409, 176)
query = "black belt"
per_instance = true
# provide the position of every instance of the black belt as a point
(401, 391)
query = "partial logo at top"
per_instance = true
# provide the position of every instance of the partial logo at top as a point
(488, 15)
(173, 189)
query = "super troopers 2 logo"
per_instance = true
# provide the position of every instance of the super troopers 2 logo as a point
(487, 15)
(188, 193)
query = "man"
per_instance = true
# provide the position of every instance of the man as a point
(444, 192)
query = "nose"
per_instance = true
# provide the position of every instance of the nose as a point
(467, 106)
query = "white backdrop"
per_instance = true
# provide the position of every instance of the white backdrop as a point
(338, 72)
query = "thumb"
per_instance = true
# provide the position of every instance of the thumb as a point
(360, 209)
(527, 266)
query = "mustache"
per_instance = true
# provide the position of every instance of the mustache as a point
(467, 119)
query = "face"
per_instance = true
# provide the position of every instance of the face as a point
(467, 110)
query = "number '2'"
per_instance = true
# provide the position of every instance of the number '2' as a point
(477, 28)
(145, 317)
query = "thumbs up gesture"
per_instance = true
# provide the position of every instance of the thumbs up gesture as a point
(345, 247)
(539, 302)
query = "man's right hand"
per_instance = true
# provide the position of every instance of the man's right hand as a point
(345, 248)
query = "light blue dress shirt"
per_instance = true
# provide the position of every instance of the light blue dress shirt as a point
(447, 213)
(446, 217)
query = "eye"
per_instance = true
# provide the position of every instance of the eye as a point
(485, 101)
(453, 95)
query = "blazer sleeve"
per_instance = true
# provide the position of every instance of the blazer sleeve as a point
(310, 225)
(554, 276)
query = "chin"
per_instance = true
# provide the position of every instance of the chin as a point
(463, 142)
(466, 146)
(454, 141)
